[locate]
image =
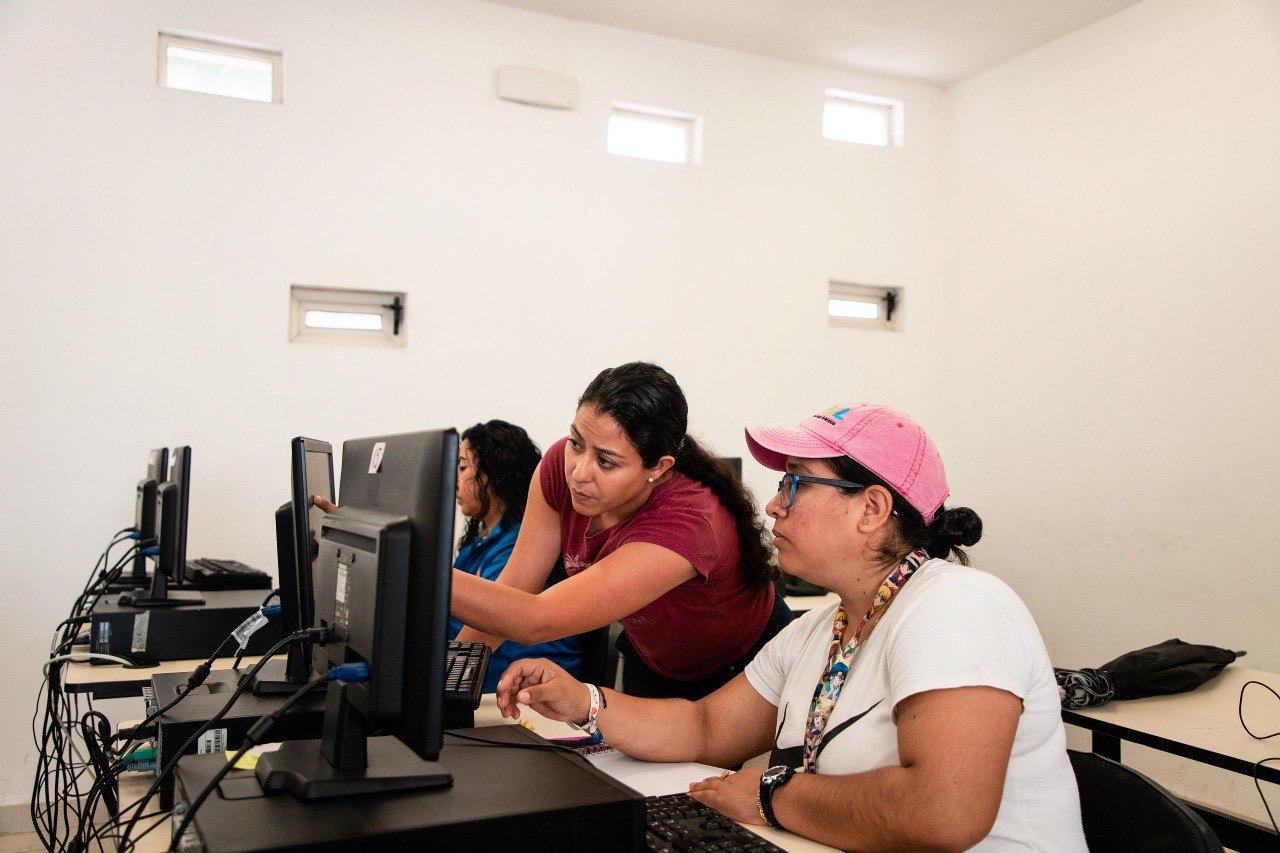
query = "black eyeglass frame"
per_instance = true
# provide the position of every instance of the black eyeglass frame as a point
(789, 495)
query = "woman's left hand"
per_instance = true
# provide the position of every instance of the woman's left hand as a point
(734, 796)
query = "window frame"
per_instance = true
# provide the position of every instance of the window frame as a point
(306, 297)
(886, 320)
(689, 122)
(894, 110)
(228, 47)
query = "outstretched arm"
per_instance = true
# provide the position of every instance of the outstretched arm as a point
(723, 729)
(536, 550)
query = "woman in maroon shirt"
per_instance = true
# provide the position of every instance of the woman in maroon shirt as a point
(655, 533)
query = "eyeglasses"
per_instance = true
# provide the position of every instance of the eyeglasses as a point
(789, 482)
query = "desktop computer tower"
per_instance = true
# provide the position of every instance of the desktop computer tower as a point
(178, 633)
(302, 722)
(181, 721)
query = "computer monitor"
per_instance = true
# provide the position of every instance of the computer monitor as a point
(415, 474)
(144, 510)
(180, 475)
(381, 582)
(171, 533)
(297, 546)
(158, 465)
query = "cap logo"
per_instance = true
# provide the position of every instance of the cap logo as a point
(837, 412)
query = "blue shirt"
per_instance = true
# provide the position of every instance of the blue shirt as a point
(486, 558)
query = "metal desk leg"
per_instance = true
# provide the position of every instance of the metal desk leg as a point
(1108, 746)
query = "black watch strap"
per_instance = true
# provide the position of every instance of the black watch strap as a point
(772, 779)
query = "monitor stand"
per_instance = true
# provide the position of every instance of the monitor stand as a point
(346, 761)
(283, 678)
(160, 596)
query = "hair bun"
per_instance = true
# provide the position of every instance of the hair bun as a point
(960, 526)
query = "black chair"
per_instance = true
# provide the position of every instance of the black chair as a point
(1123, 810)
(600, 655)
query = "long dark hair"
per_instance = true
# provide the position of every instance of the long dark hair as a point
(944, 537)
(505, 458)
(646, 401)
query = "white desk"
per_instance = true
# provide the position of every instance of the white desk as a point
(1202, 725)
(650, 779)
(803, 603)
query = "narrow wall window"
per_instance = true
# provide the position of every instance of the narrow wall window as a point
(217, 68)
(863, 306)
(340, 316)
(654, 134)
(865, 119)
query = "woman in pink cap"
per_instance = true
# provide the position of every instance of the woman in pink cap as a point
(918, 712)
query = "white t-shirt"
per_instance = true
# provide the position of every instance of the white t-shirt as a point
(950, 626)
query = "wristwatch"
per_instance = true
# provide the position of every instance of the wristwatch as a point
(770, 781)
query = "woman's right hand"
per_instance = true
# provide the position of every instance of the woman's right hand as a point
(544, 687)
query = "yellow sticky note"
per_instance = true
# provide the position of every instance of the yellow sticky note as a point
(248, 761)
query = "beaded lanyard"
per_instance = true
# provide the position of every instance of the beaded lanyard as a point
(839, 663)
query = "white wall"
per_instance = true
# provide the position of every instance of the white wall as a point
(1089, 318)
(1112, 345)
(148, 239)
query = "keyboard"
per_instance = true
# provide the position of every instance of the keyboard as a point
(678, 822)
(210, 573)
(465, 668)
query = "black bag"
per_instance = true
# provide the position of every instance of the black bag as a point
(1169, 667)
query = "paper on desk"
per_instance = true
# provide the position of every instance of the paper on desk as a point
(652, 779)
(249, 760)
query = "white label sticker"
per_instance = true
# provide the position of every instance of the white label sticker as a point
(141, 622)
(214, 740)
(375, 458)
(340, 597)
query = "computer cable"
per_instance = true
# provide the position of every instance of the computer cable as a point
(313, 634)
(549, 747)
(197, 677)
(1258, 764)
(61, 769)
(252, 738)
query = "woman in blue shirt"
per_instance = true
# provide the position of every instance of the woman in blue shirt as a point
(496, 461)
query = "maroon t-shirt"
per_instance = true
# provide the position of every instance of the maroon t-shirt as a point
(705, 623)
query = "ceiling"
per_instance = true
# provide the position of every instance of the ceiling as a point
(927, 41)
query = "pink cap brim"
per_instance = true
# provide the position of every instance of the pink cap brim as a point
(772, 445)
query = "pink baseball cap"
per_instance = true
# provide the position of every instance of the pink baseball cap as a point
(883, 440)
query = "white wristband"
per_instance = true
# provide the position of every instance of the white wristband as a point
(589, 726)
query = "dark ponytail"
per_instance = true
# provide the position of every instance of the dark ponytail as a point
(647, 402)
(951, 531)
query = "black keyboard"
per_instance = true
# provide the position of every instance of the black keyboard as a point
(210, 573)
(465, 668)
(678, 822)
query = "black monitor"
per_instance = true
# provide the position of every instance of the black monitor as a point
(415, 474)
(397, 496)
(158, 465)
(144, 510)
(297, 545)
(171, 532)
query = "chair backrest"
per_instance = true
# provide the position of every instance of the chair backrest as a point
(1124, 810)
(600, 656)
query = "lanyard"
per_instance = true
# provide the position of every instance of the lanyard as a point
(840, 661)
